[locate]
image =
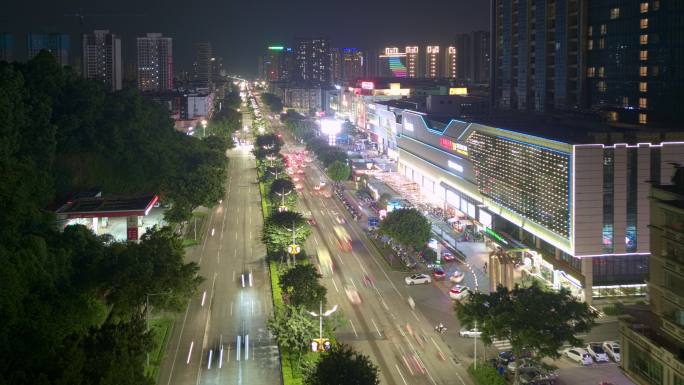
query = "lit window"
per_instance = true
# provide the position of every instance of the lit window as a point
(601, 85)
(604, 29)
(590, 31)
(643, 71)
(614, 13)
(643, 8)
(602, 43)
(643, 87)
(644, 23)
(613, 116)
(643, 55)
(590, 45)
(601, 72)
(642, 119)
(625, 101)
(643, 39)
(643, 103)
(591, 72)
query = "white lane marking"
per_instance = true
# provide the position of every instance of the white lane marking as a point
(221, 357)
(212, 231)
(242, 277)
(250, 279)
(246, 347)
(353, 328)
(190, 352)
(228, 355)
(236, 235)
(252, 302)
(209, 362)
(231, 308)
(401, 375)
(315, 240)
(175, 355)
(204, 296)
(250, 235)
(415, 316)
(334, 284)
(233, 275)
(238, 349)
(376, 327)
(435, 343)
(353, 283)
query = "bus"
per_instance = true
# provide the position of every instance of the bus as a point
(324, 261)
(343, 238)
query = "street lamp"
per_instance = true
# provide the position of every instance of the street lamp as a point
(204, 127)
(282, 201)
(320, 316)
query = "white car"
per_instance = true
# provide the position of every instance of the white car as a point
(470, 333)
(612, 348)
(458, 292)
(457, 276)
(578, 355)
(418, 279)
(596, 351)
(353, 295)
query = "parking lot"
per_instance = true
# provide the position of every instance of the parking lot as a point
(571, 373)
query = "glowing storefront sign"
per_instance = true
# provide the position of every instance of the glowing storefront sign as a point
(458, 91)
(453, 146)
(455, 166)
(367, 85)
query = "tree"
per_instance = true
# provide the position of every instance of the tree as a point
(344, 366)
(294, 329)
(282, 191)
(407, 226)
(272, 101)
(277, 230)
(531, 318)
(301, 286)
(338, 171)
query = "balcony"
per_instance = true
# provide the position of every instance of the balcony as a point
(673, 329)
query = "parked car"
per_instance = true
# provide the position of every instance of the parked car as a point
(578, 355)
(418, 279)
(457, 276)
(595, 350)
(447, 256)
(439, 273)
(612, 348)
(470, 333)
(458, 292)
(523, 364)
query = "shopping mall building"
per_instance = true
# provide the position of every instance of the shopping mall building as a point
(571, 201)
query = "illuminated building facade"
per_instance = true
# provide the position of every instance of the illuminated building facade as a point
(412, 61)
(572, 207)
(450, 59)
(393, 63)
(102, 58)
(433, 62)
(155, 62)
(313, 60)
(353, 62)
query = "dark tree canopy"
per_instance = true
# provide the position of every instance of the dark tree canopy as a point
(344, 366)
(301, 286)
(339, 171)
(407, 226)
(277, 230)
(531, 318)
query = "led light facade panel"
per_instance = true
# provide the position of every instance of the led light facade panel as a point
(530, 180)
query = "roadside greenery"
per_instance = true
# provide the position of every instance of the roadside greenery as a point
(338, 171)
(409, 227)
(486, 375)
(72, 307)
(301, 286)
(344, 366)
(272, 101)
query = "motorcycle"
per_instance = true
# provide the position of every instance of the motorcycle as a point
(441, 329)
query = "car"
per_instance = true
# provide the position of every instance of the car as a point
(327, 194)
(458, 292)
(311, 221)
(438, 273)
(317, 188)
(578, 355)
(300, 171)
(524, 364)
(340, 219)
(353, 295)
(612, 348)
(470, 333)
(298, 186)
(595, 350)
(322, 182)
(507, 356)
(457, 276)
(417, 279)
(447, 256)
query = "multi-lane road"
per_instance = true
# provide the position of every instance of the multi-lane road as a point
(221, 338)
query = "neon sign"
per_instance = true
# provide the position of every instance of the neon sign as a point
(453, 146)
(367, 85)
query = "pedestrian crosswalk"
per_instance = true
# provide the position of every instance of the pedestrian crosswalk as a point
(502, 345)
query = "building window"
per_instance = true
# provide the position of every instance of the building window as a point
(625, 101)
(644, 365)
(654, 71)
(590, 31)
(643, 39)
(590, 45)
(643, 119)
(604, 29)
(591, 72)
(602, 43)
(602, 72)
(643, 8)
(614, 13)
(643, 23)
(601, 85)
(656, 5)
(643, 103)
(613, 117)
(643, 55)
(643, 71)
(643, 87)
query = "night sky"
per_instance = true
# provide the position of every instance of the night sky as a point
(240, 30)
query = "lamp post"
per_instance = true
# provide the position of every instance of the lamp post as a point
(294, 249)
(204, 128)
(282, 200)
(320, 316)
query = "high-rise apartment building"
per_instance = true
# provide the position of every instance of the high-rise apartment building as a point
(217, 70)
(464, 58)
(393, 63)
(634, 63)
(652, 339)
(56, 43)
(353, 62)
(155, 62)
(480, 61)
(202, 66)
(371, 62)
(312, 58)
(450, 60)
(412, 61)
(538, 56)
(102, 58)
(277, 63)
(335, 65)
(433, 62)
(6, 47)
